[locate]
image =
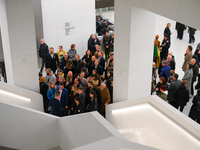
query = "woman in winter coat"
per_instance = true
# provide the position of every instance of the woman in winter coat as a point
(72, 96)
(188, 76)
(195, 110)
(52, 90)
(93, 103)
(181, 96)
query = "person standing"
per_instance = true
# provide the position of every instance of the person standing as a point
(162, 94)
(52, 60)
(93, 103)
(195, 109)
(72, 52)
(105, 97)
(191, 32)
(82, 97)
(198, 46)
(165, 71)
(181, 96)
(77, 63)
(78, 108)
(172, 88)
(188, 76)
(101, 60)
(112, 43)
(50, 77)
(64, 99)
(97, 67)
(60, 53)
(195, 69)
(167, 31)
(56, 108)
(180, 28)
(106, 43)
(52, 90)
(165, 47)
(156, 54)
(188, 57)
(43, 51)
(43, 91)
(91, 44)
(64, 61)
(196, 56)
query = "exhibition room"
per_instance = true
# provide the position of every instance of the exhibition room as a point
(99, 75)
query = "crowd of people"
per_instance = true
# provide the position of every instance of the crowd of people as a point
(179, 91)
(75, 84)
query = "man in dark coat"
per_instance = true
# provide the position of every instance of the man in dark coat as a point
(97, 67)
(180, 28)
(195, 69)
(181, 96)
(91, 44)
(56, 108)
(43, 91)
(195, 109)
(43, 51)
(172, 88)
(82, 97)
(52, 60)
(165, 47)
(64, 99)
(91, 63)
(77, 63)
(107, 43)
(191, 32)
(64, 61)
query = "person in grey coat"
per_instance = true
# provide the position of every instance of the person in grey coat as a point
(188, 76)
(72, 52)
(172, 88)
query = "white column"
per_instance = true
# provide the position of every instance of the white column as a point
(6, 43)
(19, 43)
(134, 41)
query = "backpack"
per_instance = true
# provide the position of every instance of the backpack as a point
(198, 105)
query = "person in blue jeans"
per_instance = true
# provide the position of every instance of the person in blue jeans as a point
(191, 32)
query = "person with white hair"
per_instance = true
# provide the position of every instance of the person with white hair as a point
(173, 58)
(105, 97)
(170, 62)
(43, 51)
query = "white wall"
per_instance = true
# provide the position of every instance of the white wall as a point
(81, 14)
(133, 51)
(6, 43)
(78, 130)
(19, 43)
(185, 11)
(26, 129)
(36, 102)
(176, 129)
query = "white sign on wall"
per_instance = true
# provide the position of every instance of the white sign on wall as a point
(69, 28)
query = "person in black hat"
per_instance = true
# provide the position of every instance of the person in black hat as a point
(165, 47)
